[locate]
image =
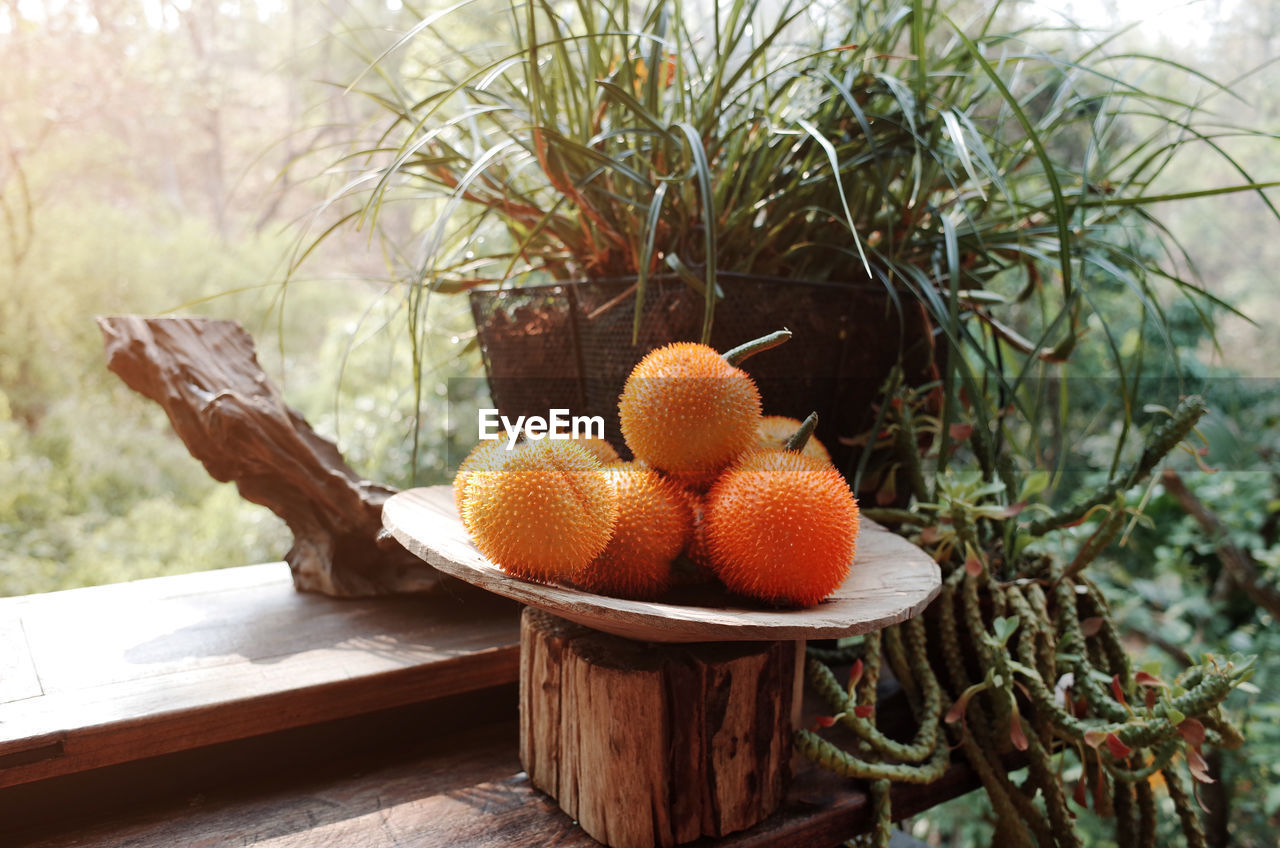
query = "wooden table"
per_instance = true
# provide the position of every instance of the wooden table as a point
(223, 708)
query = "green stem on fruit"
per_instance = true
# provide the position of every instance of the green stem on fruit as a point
(740, 353)
(800, 437)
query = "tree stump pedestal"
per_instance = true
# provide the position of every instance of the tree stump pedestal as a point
(648, 744)
(655, 724)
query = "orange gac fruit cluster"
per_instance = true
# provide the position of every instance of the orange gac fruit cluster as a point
(712, 493)
(541, 510)
(655, 522)
(776, 430)
(685, 410)
(781, 527)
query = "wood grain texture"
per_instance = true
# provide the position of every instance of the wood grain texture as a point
(465, 790)
(891, 580)
(205, 375)
(648, 744)
(140, 669)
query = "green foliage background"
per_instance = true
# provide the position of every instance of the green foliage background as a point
(147, 165)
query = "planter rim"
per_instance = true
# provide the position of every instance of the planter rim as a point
(728, 275)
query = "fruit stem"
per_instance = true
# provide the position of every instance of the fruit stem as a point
(801, 437)
(741, 352)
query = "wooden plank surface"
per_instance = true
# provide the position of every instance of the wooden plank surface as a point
(891, 580)
(18, 678)
(461, 791)
(140, 669)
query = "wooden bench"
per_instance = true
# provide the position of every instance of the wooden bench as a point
(224, 708)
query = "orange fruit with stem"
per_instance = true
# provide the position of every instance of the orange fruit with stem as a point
(541, 510)
(775, 430)
(689, 411)
(781, 527)
(655, 521)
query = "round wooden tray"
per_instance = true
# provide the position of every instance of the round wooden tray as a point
(891, 581)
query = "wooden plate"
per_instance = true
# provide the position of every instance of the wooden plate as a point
(891, 581)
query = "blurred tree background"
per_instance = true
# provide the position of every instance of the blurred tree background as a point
(154, 159)
(161, 157)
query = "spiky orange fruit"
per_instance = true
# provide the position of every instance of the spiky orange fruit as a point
(541, 510)
(696, 551)
(686, 411)
(654, 524)
(781, 527)
(775, 430)
(695, 484)
(600, 449)
(482, 455)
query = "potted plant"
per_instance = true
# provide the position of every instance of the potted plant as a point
(681, 172)
(936, 181)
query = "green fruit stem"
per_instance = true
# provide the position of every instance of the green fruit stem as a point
(740, 353)
(800, 437)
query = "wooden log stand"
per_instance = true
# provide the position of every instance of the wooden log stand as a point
(656, 724)
(647, 744)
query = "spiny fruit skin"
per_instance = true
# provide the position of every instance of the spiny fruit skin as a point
(482, 455)
(654, 524)
(695, 484)
(781, 527)
(542, 510)
(600, 449)
(684, 410)
(696, 551)
(775, 430)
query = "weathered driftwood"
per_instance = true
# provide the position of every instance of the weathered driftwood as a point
(655, 745)
(205, 374)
